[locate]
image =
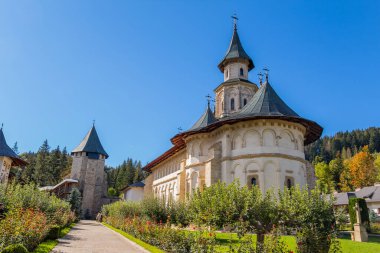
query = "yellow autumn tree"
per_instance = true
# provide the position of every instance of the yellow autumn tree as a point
(345, 178)
(362, 169)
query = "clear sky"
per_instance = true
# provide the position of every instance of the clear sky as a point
(142, 69)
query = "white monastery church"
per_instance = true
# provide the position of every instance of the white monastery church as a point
(252, 136)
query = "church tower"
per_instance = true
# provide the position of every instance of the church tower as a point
(236, 90)
(88, 168)
(8, 158)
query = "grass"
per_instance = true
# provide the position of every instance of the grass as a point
(145, 245)
(373, 246)
(49, 245)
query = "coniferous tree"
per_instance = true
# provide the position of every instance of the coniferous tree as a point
(40, 175)
(15, 148)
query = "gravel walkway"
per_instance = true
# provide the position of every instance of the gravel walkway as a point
(92, 237)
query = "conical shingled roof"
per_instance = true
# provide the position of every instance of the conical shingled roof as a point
(206, 119)
(5, 150)
(235, 52)
(91, 144)
(266, 102)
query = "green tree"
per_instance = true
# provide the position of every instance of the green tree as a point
(75, 201)
(15, 148)
(325, 180)
(40, 175)
(336, 167)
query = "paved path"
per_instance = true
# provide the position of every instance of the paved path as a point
(92, 237)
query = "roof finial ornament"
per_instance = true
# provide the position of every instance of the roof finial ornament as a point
(235, 18)
(266, 73)
(179, 129)
(260, 78)
(93, 123)
(209, 98)
(2, 125)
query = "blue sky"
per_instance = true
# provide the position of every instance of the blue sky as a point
(142, 69)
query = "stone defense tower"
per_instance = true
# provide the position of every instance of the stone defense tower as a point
(88, 168)
(8, 158)
(236, 90)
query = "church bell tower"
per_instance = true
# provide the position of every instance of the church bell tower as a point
(88, 168)
(236, 90)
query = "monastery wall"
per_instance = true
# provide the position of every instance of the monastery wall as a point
(166, 177)
(271, 151)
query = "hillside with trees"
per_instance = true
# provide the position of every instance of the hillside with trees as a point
(347, 160)
(46, 166)
(125, 174)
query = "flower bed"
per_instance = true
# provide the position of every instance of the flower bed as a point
(28, 215)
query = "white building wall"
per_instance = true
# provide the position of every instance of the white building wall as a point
(134, 194)
(165, 177)
(272, 151)
(232, 71)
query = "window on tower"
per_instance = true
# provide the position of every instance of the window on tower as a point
(244, 101)
(241, 72)
(232, 104)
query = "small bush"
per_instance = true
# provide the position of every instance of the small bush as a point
(15, 248)
(112, 192)
(54, 232)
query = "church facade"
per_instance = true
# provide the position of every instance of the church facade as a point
(252, 136)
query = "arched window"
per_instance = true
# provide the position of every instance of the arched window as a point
(227, 73)
(289, 183)
(253, 181)
(244, 101)
(232, 104)
(241, 72)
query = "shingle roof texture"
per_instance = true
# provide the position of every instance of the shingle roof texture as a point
(5, 150)
(91, 144)
(206, 119)
(235, 52)
(266, 102)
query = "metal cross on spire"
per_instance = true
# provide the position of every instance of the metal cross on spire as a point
(209, 98)
(266, 73)
(2, 125)
(93, 122)
(235, 19)
(260, 78)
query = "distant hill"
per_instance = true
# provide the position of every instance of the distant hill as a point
(346, 144)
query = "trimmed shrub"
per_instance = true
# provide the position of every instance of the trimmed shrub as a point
(363, 213)
(54, 232)
(15, 248)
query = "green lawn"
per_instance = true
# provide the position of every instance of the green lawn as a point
(348, 246)
(48, 245)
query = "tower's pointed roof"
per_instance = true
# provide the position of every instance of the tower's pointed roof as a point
(266, 102)
(235, 53)
(206, 119)
(91, 144)
(5, 150)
